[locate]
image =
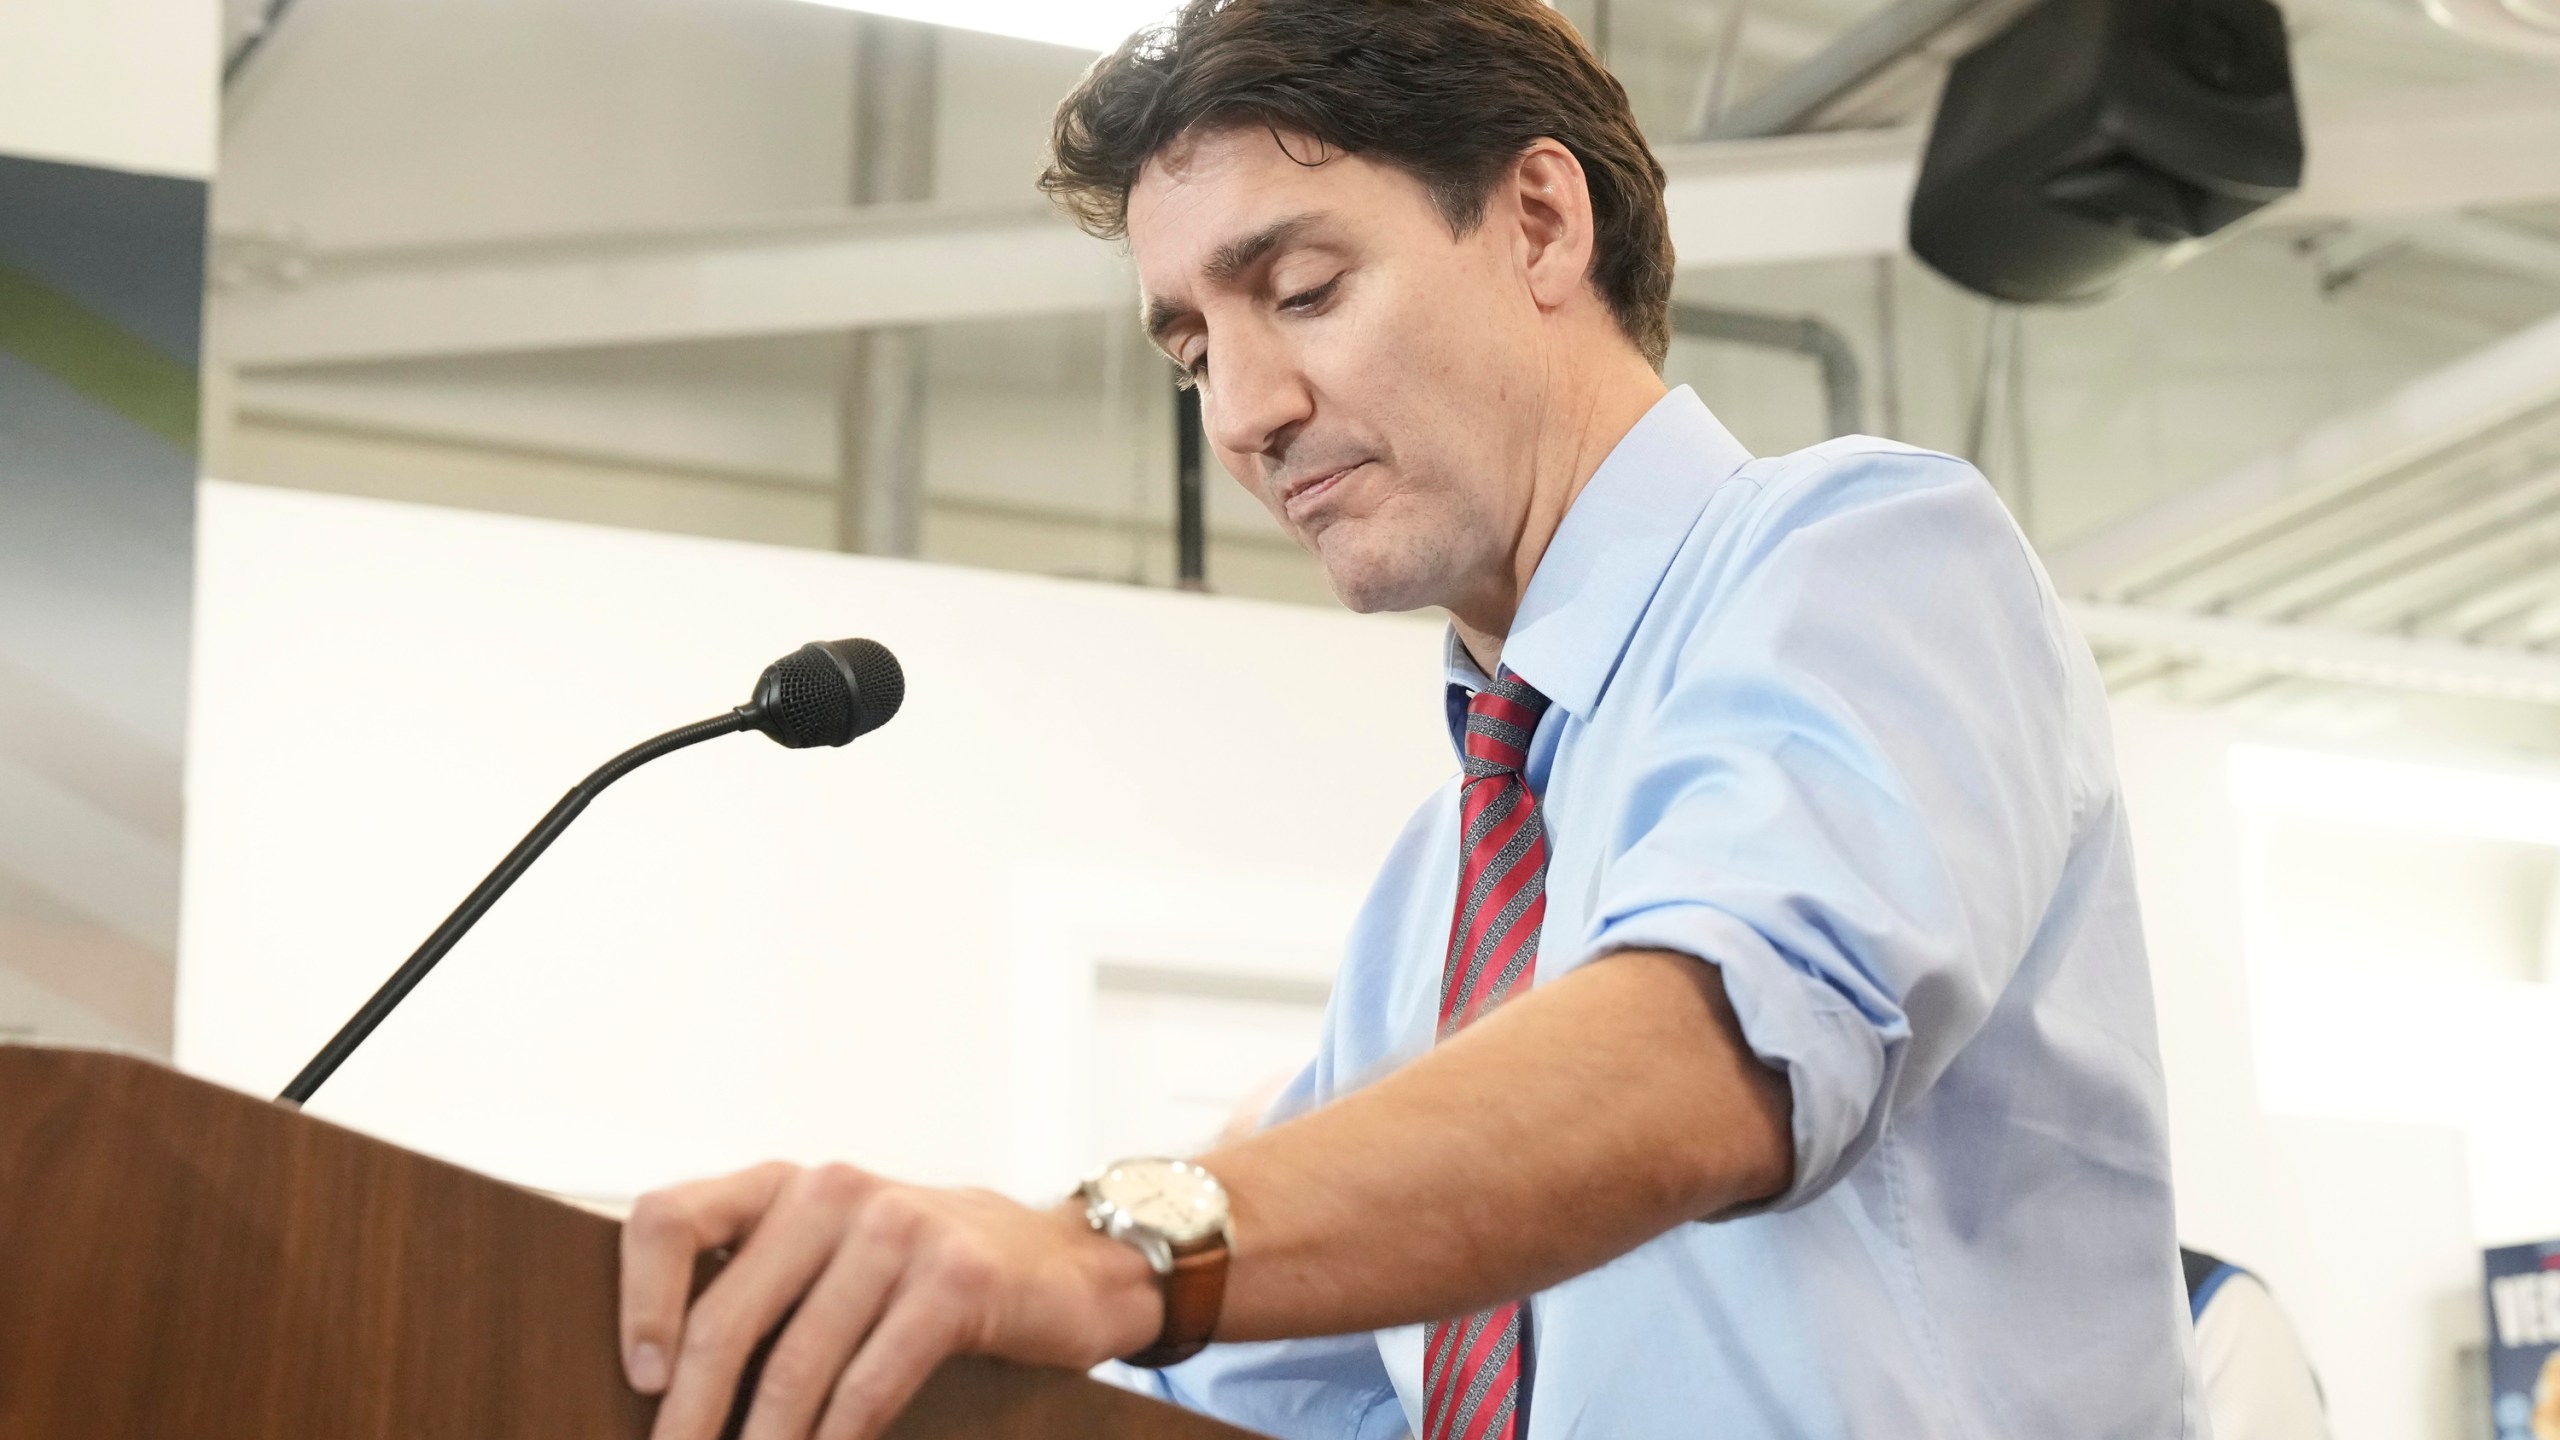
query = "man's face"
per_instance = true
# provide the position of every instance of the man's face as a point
(1372, 379)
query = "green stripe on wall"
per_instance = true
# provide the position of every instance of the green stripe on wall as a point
(89, 353)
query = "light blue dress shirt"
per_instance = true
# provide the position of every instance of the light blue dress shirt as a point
(1820, 722)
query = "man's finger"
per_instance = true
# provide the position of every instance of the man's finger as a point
(785, 1252)
(833, 1318)
(921, 1329)
(666, 1231)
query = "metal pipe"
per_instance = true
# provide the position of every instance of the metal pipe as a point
(881, 382)
(1843, 405)
(1190, 494)
(1838, 68)
(260, 31)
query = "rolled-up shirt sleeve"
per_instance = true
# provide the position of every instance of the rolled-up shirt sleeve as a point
(1855, 792)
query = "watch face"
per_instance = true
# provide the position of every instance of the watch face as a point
(1173, 1198)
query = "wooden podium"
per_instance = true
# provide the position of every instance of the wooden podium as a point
(182, 1262)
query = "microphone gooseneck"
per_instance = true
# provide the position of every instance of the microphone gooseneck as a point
(824, 693)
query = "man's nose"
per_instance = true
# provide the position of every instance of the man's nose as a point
(1256, 397)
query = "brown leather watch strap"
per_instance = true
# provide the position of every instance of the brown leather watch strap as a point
(1194, 1289)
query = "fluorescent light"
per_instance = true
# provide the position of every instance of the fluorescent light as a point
(1083, 24)
(2396, 794)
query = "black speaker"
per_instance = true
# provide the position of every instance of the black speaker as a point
(2093, 139)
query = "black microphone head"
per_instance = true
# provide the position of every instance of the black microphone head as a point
(827, 692)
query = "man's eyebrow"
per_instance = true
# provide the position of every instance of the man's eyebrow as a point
(1237, 256)
(1231, 260)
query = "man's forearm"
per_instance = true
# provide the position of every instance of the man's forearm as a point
(1561, 1131)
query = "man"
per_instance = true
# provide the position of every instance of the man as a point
(1754, 1040)
(2256, 1379)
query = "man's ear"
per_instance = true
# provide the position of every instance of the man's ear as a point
(1554, 202)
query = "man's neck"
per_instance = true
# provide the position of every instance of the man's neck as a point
(1583, 432)
(1484, 649)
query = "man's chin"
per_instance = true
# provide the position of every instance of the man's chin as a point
(1371, 588)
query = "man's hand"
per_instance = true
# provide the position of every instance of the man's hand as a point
(890, 1280)
(1631, 1104)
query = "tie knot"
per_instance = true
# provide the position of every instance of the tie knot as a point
(1500, 719)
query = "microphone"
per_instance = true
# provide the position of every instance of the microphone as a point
(827, 692)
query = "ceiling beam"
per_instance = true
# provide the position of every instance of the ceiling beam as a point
(2488, 388)
(1833, 196)
(1897, 55)
(2322, 652)
(846, 270)
(2432, 149)
(2491, 244)
(1732, 203)
(2347, 253)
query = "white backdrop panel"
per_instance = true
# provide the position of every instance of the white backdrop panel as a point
(741, 951)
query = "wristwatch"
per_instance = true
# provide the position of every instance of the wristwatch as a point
(1174, 1213)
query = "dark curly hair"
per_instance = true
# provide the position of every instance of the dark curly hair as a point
(1450, 91)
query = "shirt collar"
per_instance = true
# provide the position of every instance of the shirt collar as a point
(1466, 677)
(1609, 555)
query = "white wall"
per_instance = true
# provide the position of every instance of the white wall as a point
(880, 953)
(2296, 1149)
(2396, 916)
(127, 84)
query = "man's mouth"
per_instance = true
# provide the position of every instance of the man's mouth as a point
(1303, 498)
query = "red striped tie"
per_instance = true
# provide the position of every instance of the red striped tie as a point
(1472, 1368)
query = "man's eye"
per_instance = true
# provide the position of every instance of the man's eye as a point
(1195, 371)
(1310, 299)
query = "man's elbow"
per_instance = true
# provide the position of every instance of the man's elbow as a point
(1744, 1153)
(1757, 1162)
